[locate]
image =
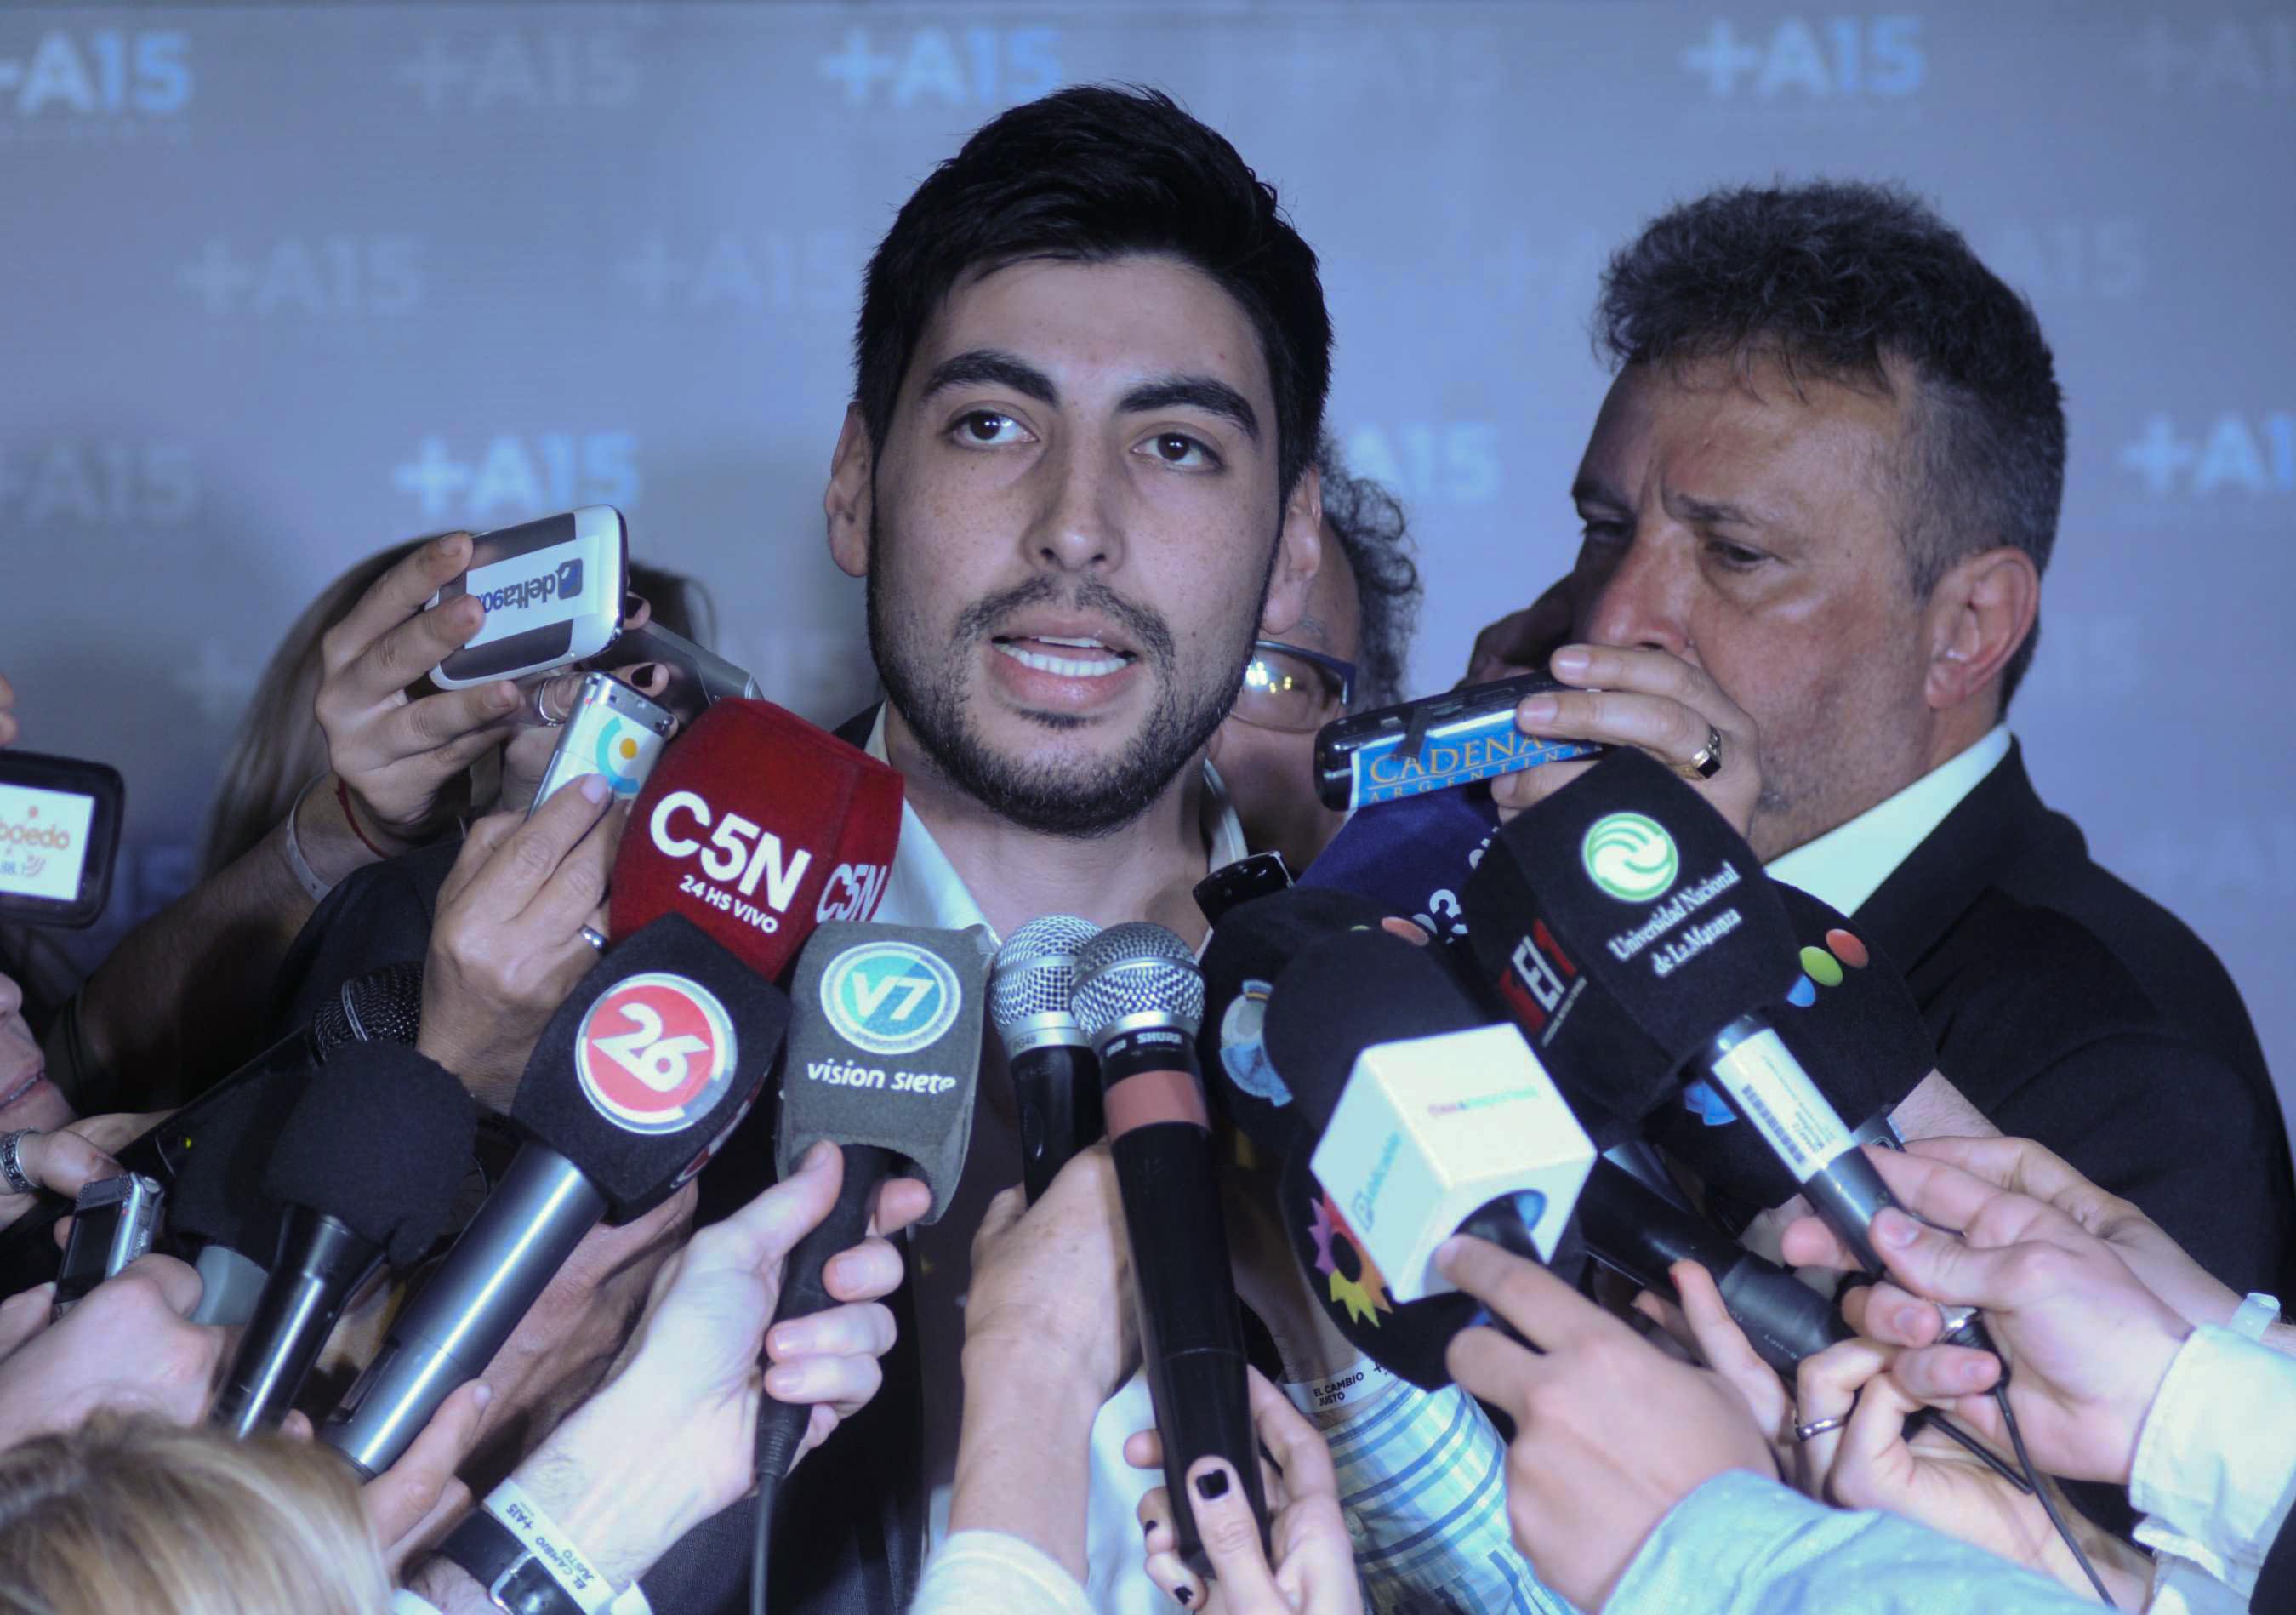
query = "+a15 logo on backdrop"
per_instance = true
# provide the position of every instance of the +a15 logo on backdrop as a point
(656, 1053)
(890, 997)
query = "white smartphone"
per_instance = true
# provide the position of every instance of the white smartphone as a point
(553, 592)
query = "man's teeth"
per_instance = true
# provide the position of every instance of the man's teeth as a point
(1065, 666)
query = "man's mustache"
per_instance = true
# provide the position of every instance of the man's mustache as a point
(1146, 628)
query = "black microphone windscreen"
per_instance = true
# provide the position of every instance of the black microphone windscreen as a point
(1851, 1021)
(1248, 950)
(649, 1062)
(1413, 854)
(1342, 994)
(217, 1196)
(1625, 923)
(380, 1142)
(885, 1047)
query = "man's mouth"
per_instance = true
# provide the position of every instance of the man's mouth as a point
(1065, 657)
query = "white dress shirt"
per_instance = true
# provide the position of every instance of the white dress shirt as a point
(1847, 863)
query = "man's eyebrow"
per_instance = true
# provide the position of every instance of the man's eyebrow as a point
(1712, 513)
(1208, 393)
(1594, 490)
(995, 367)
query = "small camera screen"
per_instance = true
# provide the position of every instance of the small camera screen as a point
(43, 842)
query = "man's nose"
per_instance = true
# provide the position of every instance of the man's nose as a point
(1079, 526)
(1644, 601)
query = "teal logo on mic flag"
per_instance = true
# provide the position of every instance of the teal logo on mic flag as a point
(1629, 857)
(890, 997)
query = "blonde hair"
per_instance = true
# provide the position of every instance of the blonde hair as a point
(134, 1514)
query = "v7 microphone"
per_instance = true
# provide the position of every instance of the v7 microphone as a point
(366, 1169)
(1140, 998)
(756, 827)
(1055, 1079)
(639, 1077)
(1632, 932)
(884, 1060)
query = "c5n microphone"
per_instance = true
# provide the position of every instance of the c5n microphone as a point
(365, 1170)
(1632, 934)
(756, 826)
(1055, 1079)
(884, 1060)
(1139, 998)
(644, 1069)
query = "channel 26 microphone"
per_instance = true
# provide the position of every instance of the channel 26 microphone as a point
(757, 825)
(645, 1067)
(1140, 999)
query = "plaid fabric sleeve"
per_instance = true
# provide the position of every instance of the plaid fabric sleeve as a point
(1423, 1488)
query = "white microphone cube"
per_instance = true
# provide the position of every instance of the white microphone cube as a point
(1431, 1129)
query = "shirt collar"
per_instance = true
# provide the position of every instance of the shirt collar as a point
(923, 888)
(1847, 863)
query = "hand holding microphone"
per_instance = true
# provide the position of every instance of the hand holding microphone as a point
(2090, 1343)
(513, 934)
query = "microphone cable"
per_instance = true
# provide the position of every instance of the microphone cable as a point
(2048, 1503)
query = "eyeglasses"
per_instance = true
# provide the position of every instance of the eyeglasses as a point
(1293, 689)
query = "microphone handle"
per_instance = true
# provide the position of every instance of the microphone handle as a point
(1191, 1329)
(321, 1264)
(446, 1335)
(781, 1425)
(1057, 1087)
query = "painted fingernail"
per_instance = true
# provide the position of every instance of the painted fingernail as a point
(1572, 659)
(1893, 1228)
(1213, 1485)
(1147, 1528)
(1538, 710)
(645, 672)
(595, 787)
(1186, 1595)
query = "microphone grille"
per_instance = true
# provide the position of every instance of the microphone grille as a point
(1137, 969)
(384, 1005)
(1034, 971)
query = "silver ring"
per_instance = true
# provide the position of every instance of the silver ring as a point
(538, 709)
(12, 1171)
(1707, 760)
(593, 937)
(1818, 1427)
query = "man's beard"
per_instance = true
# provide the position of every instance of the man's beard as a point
(1083, 799)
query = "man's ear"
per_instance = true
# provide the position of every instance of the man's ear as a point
(1299, 552)
(847, 500)
(1981, 612)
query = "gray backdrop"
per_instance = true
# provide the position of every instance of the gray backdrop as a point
(284, 283)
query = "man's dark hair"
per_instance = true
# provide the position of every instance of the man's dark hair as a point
(1375, 538)
(1091, 174)
(1833, 279)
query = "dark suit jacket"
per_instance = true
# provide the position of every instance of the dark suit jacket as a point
(2074, 1010)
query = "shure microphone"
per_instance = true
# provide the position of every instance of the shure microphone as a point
(365, 1169)
(1633, 933)
(757, 825)
(637, 1079)
(1139, 998)
(210, 1154)
(1055, 1079)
